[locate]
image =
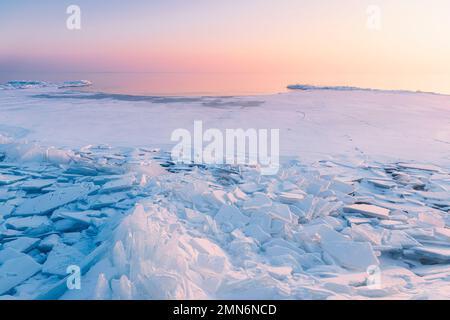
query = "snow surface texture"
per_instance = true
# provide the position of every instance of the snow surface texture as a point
(365, 186)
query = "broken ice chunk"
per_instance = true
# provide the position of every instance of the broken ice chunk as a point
(60, 258)
(437, 254)
(254, 231)
(106, 200)
(210, 254)
(290, 197)
(405, 179)
(102, 288)
(281, 243)
(273, 252)
(81, 170)
(440, 196)
(36, 185)
(433, 269)
(365, 233)
(250, 187)
(418, 166)
(217, 197)
(288, 186)
(399, 240)
(239, 194)
(73, 239)
(280, 273)
(358, 220)
(261, 219)
(49, 242)
(5, 195)
(78, 216)
(231, 216)
(257, 202)
(122, 288)
(26, 223)
(69, 225)
(351, 255)
(342, 186)
(231, 198)
(15, 271)
(23, 244)
(442, 233)
(46, 203)
(312, 235)
(430, 219)
(6, 179)
(8, 233)
(383, 184)
(8, 254)
(6, 209)
(368, 210)
(393, 224)
(194, 216)
(122, 184)
(421, 233)
(282, 212)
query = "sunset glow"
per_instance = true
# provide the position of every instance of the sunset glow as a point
(326, 41)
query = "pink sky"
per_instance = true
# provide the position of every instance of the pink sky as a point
(324, 39)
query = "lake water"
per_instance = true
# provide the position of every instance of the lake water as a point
(191, 84)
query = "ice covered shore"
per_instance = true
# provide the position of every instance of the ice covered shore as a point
(359, 210)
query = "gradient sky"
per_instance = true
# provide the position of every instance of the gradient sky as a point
(327, 37)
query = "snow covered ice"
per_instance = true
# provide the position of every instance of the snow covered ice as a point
(85, 179)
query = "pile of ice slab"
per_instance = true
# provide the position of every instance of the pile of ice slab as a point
(55, 214)
(322, 232)
(142, 227)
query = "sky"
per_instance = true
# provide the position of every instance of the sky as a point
(321, 38)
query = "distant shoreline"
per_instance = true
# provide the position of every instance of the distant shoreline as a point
(83, 84)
